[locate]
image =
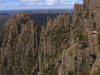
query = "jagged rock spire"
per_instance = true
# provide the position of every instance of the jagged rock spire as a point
(19, 43)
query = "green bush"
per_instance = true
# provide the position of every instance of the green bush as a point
(94, 24)
(80, 14)
(84, 73)
(70, 73)
(45, 70)
(53, 73)
(52, 56)
(98, 71)
(80, 37)
(30, 66)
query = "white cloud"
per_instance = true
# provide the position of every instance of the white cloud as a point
(30, 0)
(63, 2)
(48, 2)
(55, 1)
(75, 1)
(52, 2)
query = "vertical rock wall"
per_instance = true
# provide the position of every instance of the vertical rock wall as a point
(84, 40)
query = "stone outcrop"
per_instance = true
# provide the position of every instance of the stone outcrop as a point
(97, 10)
(54, 38)
(57, 48)
(96, 66)
(19, 43)
(28, 49)
(83, 54)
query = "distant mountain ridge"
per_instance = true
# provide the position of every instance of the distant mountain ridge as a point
(40, 16)
(12, 12)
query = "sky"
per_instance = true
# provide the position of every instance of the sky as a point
(37, 4)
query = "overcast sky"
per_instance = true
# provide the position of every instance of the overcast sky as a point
(37, 4)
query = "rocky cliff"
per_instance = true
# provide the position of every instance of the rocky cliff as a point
(57, 48)
(82, 57)
(28, 49)
(19, 43)
(53, 40)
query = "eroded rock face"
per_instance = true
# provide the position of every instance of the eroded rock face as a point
(67, 63)
(19, 43)
(96, 66)
(59, 48)
(27, 49)
(53, 40)
(84, 41)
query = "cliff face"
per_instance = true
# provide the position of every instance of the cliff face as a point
(19, 43)
(59, 48)
(54, 39)
(28, 49)
(82, 58)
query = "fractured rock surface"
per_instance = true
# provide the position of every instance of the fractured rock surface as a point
(19, 43)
